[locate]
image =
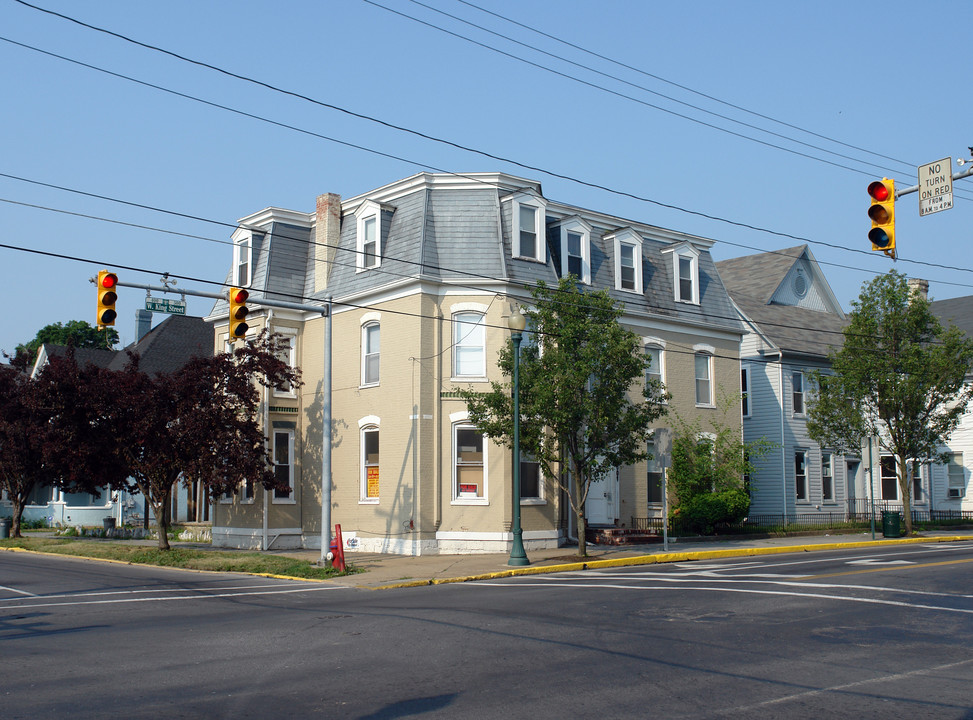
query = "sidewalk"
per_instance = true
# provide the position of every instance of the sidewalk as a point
(385, 570)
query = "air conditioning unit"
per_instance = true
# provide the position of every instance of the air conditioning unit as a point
(956, 492)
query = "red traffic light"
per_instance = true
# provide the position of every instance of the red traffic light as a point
(238, 295)
(879, 190)
(109, 280)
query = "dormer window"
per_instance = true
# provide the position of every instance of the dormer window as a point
(368, 244)
(575, 235)
(685, 273)
(529, 219)
(242, 258)
(628, 261)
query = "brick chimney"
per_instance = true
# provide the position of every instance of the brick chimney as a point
(919, 287)
(327, 229)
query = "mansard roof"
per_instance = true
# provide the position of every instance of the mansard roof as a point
(457, 229)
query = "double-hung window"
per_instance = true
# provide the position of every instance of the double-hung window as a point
(800, 474)
(369, 464)
(370, 355)
(797, 392)
(368, 244)
(469, 465)
(469, 345)
(956, 472)
(703, 361)
(827, 478)
(529, 221)
(654, 472)
(685, 272)
(655, 372)
(890, 480)
(576, 249)
(242, 258)
(628, 260)
(288, 353)
(284, 465)
(745, 390)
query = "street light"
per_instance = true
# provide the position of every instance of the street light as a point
(517, 322)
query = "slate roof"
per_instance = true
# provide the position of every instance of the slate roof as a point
(458, 229)
(165, 348)
(753, 279)
(955, 311)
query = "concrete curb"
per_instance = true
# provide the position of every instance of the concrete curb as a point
(669, 558)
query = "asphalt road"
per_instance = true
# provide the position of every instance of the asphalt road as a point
(877, 633)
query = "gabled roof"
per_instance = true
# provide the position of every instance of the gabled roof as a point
(165, 348)
(756, 284)
(955, 311)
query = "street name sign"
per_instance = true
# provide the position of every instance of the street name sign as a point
(165, 305)
(935, 187)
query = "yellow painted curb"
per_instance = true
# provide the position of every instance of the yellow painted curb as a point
(670, 558)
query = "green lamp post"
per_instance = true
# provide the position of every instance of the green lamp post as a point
(517, 322)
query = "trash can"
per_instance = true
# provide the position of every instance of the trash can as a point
(891, 524)
(109, 523)
(5, 524)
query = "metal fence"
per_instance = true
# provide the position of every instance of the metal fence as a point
(777, 522)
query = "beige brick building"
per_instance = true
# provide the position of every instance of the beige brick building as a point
(424, 273)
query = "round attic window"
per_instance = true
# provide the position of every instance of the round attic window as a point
(800, 284)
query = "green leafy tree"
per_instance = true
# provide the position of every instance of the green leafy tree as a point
(74, 333)
(578, 416)
(900, 375)
(706, 479)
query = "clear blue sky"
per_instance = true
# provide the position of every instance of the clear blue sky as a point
(891, 83)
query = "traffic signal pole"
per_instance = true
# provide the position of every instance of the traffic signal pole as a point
(326, 311)
(955, 176)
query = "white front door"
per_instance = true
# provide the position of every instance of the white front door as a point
(602, 497)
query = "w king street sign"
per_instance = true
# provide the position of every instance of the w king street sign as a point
(165, 305)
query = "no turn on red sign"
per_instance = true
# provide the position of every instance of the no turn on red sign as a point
(935, 187)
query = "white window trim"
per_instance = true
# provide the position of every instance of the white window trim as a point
(807, 490)
(364, 356)
(473, 377)
(748, 406)
(629, 237)
(833, 500)
(368, 424)
(464, 424)
(709, 352)
(242, 246)
(579, 227)
(684, 250)
(660, 345)
(290, 334)
(540, 225)
(290, 499)
(803, 410)
(368, 210)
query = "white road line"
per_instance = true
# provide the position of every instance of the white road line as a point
(746, 591)
(748, 579)
(31, 606)
(15, 590)
(847, 686)
(145, 591)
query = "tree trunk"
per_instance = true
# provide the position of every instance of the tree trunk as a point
(160, 506)
(906, 490)
(18, 512)
(579, 514)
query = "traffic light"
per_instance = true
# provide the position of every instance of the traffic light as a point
(238, 313)
(882, 213)
(107, 284)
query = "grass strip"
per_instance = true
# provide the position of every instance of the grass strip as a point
(180, 557)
